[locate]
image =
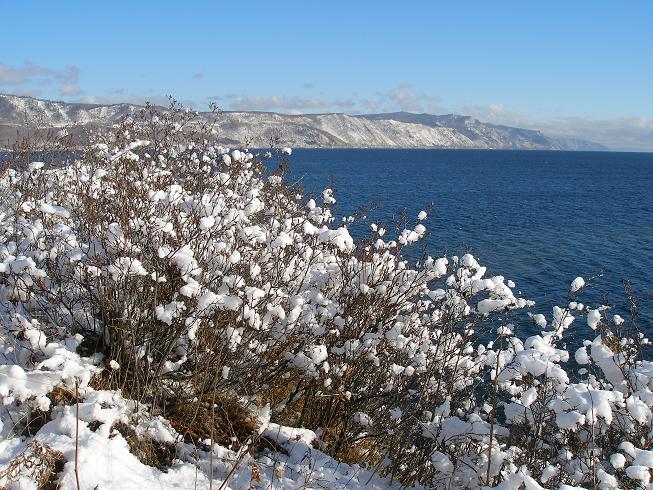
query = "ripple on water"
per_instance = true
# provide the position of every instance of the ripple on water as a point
(540, 218)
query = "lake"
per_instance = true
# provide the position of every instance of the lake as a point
(540, 218)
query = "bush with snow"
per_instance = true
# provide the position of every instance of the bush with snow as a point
(157, 271)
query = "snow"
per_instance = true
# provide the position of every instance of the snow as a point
(363, 419)
(207, 222)
(126, 266)
(581, 356)
(529, 396)
(618, 461)
(323, 130)
(166, 313)
(639, 410)
(637, 472)
(105, 460)
(577, 284)
(293, 316)
(593, 318)
(283, 240)
(540, 320)
(55, 210)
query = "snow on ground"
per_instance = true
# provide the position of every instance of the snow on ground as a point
(105, 461)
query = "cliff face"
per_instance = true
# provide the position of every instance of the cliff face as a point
(399, 129)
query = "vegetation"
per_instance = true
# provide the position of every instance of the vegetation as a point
(187, 283)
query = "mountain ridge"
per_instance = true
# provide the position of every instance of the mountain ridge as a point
(387, 130)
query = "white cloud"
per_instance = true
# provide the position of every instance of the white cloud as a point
(117, 97)
(292, 104)
(29, 92)
(493, 113)
(403, 98)
(15, 75)
(623, 133)
(398, 99)
(28, 78)
(68, 90)
(626, 133)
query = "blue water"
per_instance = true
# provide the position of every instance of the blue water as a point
(540, 218)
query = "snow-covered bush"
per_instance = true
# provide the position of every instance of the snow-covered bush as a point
(191, 277)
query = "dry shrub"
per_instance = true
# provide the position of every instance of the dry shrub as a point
(37, 418)
(227, 423)
(148, 451)
(156, 212)
(37, 461)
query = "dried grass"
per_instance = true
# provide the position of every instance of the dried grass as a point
(148, 451)
(38, 462)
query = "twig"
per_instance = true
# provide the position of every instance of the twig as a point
(77, 434)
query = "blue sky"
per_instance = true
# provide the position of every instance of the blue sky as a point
(581, 68)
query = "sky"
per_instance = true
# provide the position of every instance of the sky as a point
(580, 68)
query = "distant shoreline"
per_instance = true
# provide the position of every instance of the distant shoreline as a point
(331, 130)
(5, 150)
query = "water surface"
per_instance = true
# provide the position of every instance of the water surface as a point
(540, 218)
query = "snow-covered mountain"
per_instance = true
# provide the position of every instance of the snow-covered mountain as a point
(400, 129)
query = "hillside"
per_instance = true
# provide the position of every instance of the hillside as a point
(401, 129)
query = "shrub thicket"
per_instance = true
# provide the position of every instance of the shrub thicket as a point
(199, 283)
